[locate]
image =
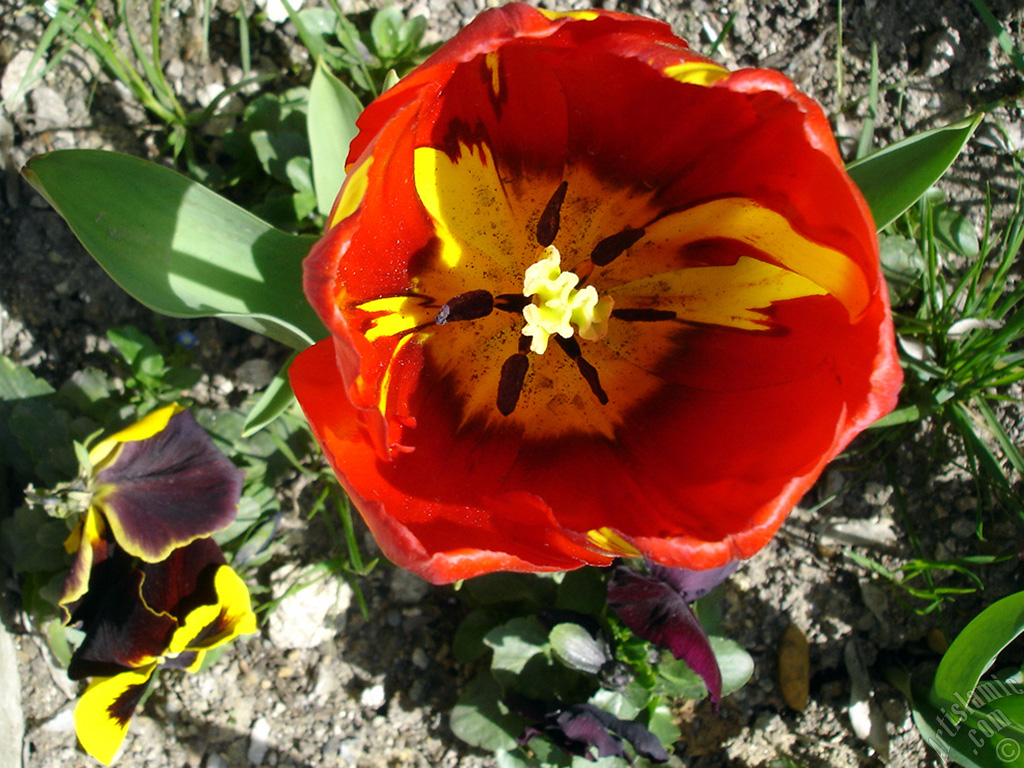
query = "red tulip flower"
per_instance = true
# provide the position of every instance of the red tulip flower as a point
(590, 294)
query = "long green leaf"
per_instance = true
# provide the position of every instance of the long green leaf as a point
(333, 110)
(894, 178)
(976, 647)
(177, 247)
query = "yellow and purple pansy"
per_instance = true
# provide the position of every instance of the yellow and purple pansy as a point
(590, 294)
(139, 616)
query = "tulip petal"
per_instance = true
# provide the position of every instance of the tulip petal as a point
(744, 336)
(105, 709)
(168, 489)
(441, 539)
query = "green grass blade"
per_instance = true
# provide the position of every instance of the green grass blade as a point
(867, 133)
(178, 247)
(1005, 442)
(1000, 34)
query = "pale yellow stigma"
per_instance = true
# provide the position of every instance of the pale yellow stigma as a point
(557, 305)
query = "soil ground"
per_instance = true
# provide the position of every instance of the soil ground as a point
(376, 692)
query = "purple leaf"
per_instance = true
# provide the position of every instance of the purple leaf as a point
(654, 610)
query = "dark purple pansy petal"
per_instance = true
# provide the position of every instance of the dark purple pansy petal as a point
(644, 743)
(121, 631)
(167, 490)
(580, 728)
(692, 585)
(655, 611)
(184, 580)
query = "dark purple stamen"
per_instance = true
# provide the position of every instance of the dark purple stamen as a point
(511, 302)
(609, 249)
(471, 305)
(643, 315)
(571, 347)
(510, 385)
(550, 218)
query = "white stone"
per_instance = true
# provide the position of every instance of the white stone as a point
(372, 697)
(16, 75)
(12, 721)
(311, 609)
(407, 588)
(259, 743)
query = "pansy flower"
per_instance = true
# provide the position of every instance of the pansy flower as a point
(154, 486)
(590, 294)
(656, 608)
(584, 729)
(140, 617)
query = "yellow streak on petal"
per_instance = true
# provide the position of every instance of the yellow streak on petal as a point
(231, 616)
(99, 732)
(467, 202)
(493, 64)
(747, 222)
(143, 429)
(727, 295)
(404, 314)
(352, 193)
(697, 72)
(385, 383)
(579, 15)
(610, 541)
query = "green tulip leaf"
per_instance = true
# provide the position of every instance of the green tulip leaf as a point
(178, 247)
(894, 178)
(333, 110)
(976, 648)
(982, 737)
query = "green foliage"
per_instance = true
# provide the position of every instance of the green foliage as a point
(391, 42)
(960, 331)
(82, 24)
(973, 722)
(916, 578)
(178, 247)
(537, 633)
(333, 110)
(893, 178)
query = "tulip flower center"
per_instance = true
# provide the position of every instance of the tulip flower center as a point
(558, 304)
